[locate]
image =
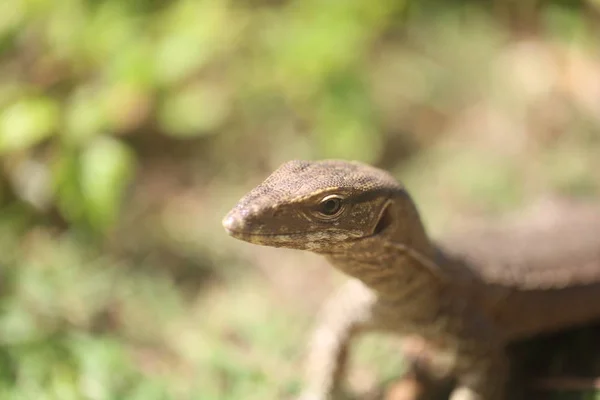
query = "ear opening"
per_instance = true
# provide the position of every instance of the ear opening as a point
(385, 219)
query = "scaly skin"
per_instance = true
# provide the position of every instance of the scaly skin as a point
(467, 297)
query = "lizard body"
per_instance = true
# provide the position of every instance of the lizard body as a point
(468, 296)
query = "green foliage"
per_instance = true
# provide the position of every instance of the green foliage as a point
(106, 167)
(56, 339)
(82, 69)
(26, 123)
(90, 181)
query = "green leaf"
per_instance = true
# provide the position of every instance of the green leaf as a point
(66, 181)
(12, 13)
(84, 116)
(195, 32)
(345, 122)
(17, 325)
(27, 122)
(106, 169)
(194, 111)
(104, 368)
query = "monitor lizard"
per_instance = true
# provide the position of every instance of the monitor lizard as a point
(467, 296)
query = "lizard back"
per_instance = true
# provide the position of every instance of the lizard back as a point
(544, 263)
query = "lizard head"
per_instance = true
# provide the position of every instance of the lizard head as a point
(321, 206)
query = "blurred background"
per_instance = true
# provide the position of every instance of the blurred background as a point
(129, 128)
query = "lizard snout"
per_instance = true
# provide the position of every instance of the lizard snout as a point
(230, 223)
(243, 222)
(233, 223)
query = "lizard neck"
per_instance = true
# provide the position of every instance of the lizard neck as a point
(385, 261)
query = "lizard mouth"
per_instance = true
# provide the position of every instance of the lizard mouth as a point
(245, 234)
(288, 240)
(240, 234)
(236, 228)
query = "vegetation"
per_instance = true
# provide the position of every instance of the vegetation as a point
(128, 128)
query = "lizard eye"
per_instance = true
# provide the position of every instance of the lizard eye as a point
(330, 207)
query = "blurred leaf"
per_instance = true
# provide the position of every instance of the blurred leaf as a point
(110, 30)
(27, 122)
(12, 13)
(84, 116)
(104, 367)
(196, 110)
(17, 325)
(150, 389)
(313, 40)
(66, 23)
(66, 181)
(345, 124)
(134, 65)
(195, 31)
(107, 167)
(564, 21)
